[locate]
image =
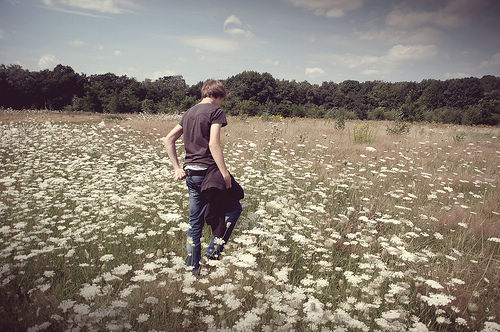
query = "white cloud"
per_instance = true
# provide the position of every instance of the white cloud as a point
(161, 73)
(411, 52)
(328, 8)
(494, 61)
(47, 61)
(455, 75)
(233, 26)
(77, 43)
(211, 44)
(314, 71)
(105, 7)
(117, 52)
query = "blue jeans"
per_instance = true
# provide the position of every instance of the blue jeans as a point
(197, 205)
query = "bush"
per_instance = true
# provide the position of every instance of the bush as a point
(248, 107)
(340, 119)
(459, 137)
(147, 106)
(364, 133)
(382, 113)
(449, 115)
(399, 126)
(472, 115)
(77, 103)
(266, 117)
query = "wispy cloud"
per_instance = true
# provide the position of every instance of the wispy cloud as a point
(83, 44)
(453, 14)
(90, 7)
(391, 35)
(270, 62)
(394, 57)
(314, 72)
(351, 60)
(161, 73)
(448, 76)
(370, 72)
(411, 52)
(77, 43)
(75, 12)
(328, 8)
(397, 53)
(211, 44)
(47, 61)
(233, 26)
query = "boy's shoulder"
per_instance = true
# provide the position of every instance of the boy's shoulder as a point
(203, 108)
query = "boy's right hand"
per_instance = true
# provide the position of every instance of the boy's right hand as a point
(227, 180)
(179, 174)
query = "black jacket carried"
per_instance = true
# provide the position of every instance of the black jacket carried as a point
(214, 187)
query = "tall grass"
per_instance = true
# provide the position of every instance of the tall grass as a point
(399, 235)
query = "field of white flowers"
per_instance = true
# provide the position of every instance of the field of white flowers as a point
(402, 233)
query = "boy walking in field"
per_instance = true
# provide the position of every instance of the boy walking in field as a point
(206, 174)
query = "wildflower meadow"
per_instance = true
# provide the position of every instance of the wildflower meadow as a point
(395, 232)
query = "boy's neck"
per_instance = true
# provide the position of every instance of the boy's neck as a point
(207, 100)
(210, 100)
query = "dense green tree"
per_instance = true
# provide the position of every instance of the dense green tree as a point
(61, 85)
(17, 86)
(462, 92)
(94, 98)
(490, 83)
(195, 90)
(467, 100)
(432, 94)
(253, 86)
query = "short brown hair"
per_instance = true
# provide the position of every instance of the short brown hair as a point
(213, 89)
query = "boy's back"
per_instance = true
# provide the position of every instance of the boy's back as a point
(196, 124)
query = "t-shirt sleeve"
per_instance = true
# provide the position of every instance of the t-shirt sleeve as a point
(218, 116)
(181, 123)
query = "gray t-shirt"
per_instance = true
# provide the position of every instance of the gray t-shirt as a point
(196, 123)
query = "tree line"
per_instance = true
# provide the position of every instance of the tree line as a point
(460, 101)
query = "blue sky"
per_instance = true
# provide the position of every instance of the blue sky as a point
(313, 40)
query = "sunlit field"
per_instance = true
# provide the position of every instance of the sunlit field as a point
(401, 232)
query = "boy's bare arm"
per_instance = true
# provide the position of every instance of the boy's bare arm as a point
(169, 142)
(216, 150)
